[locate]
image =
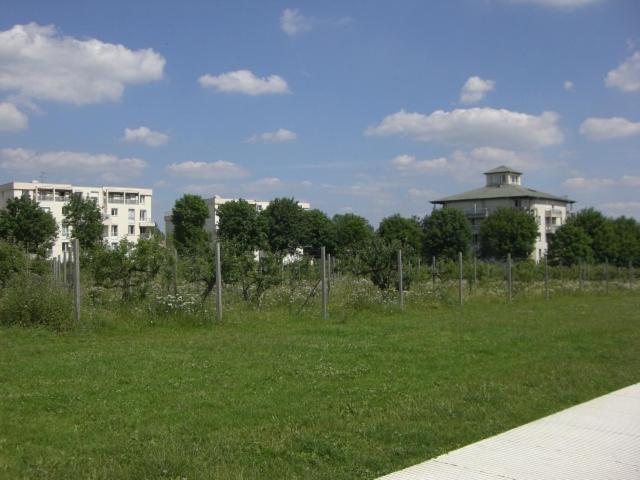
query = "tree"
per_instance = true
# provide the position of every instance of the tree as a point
(570, 245)
(319, 231)
(599, 229)
(627, 241)
(239, 224)
(85, 220)
(446, 232)
(27, 225)
(188, 216)
(283, 225)
(407, 231)
(353, 232)
(508, 230)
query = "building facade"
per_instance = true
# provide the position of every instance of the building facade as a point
(126, 212)
(213, 203)
(504, 189)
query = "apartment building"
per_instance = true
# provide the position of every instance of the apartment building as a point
(126, 212)
(503, 189)
(214, 202)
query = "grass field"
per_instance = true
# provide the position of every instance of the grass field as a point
(272, 396)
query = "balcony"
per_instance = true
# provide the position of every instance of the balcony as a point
(115, 200)
(551, 228)
(45, 197)
(476, 212)
(554, 212)
(132, 201)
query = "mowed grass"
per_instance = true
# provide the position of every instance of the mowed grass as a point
(273, 396)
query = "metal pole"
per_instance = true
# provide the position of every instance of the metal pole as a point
(400, 285)
(218, 284)
(606, 275)
(460, 293)
(323, 279)
(546, 278)
(76, 278)
(509, 276)
(329, 270)
(175, 271)
(64, 266)
(433, 270)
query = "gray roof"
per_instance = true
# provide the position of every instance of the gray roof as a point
(502, 169)
(501, 191)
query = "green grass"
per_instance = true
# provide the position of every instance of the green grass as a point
(272, 396)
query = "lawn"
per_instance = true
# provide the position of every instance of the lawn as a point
(277, 396)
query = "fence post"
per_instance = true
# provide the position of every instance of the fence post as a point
(546, 278)
(606, 275)
(328, 271)
(460, 267)
(323, 279)
(218, 283)
(433, 271)
(400, 283)
(630, 274)
(65, 277)
(76, 278)
(509, 295)
(175, 271)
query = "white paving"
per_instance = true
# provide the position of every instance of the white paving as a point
(596, 440)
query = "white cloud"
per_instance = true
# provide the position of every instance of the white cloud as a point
(12, 119)
(221, 169)
(631, 209)
(19, 161)
(465, 166)
(630, 181)
(474, 126)
(244, 81)
(306, 183)
(475, 89)
(38, 62)
(146, 136)
(588, 184)
(422, 194)
(280, 135)
(292, 22)
(608, 128)
(561, 4)
(268, 184)
(568, 85)
(627, 76)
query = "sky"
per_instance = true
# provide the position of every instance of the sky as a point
(370, 107)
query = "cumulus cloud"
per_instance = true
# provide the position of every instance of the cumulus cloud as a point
(244, 81)
(280, 135)
(38, 62)
(627, 76)
(146, 136)
(631, 209)
(19, 161)
(474, 126)
(475, 89)
(292, 22)
(630, 181)
(588, 184)
(568, 85)
(560, 4)
(608, 128)
(12, 119)
(422, 194)
(465, 166)
(220, 169)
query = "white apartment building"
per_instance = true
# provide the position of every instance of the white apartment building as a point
(214, 202)
(126, 212)
(504, 189)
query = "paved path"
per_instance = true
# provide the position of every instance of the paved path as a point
(596, 440)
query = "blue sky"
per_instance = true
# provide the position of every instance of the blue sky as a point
(355, 106)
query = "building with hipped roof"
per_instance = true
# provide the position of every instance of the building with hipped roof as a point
(504, 189)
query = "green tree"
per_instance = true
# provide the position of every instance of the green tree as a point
(508, 230)
(27, 225)
(446, 232)
(319, 231)
(85, 220)
(283, 225)
(407, 231)
(353, 233)
(239, 224)
(189, 215)
(627, 241)
(599, 229)
(570, 245)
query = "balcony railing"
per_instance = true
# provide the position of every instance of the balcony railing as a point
(476, 212)
(554, 212)
(47, 197)
(115, 200)
(132, 201)
(551, 228)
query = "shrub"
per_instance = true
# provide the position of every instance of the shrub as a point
(34, 300)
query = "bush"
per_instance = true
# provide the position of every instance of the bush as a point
(34, 300)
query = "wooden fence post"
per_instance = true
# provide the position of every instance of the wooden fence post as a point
(218, 283)
(323, 279)
(76, 278)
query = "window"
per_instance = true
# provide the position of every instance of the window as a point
(46, 209)
(132, 229)
(132, 215)
(143, 215)
(114, 230)
(65, 230)
(65, 246)
(143, 198)
(114, 212)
